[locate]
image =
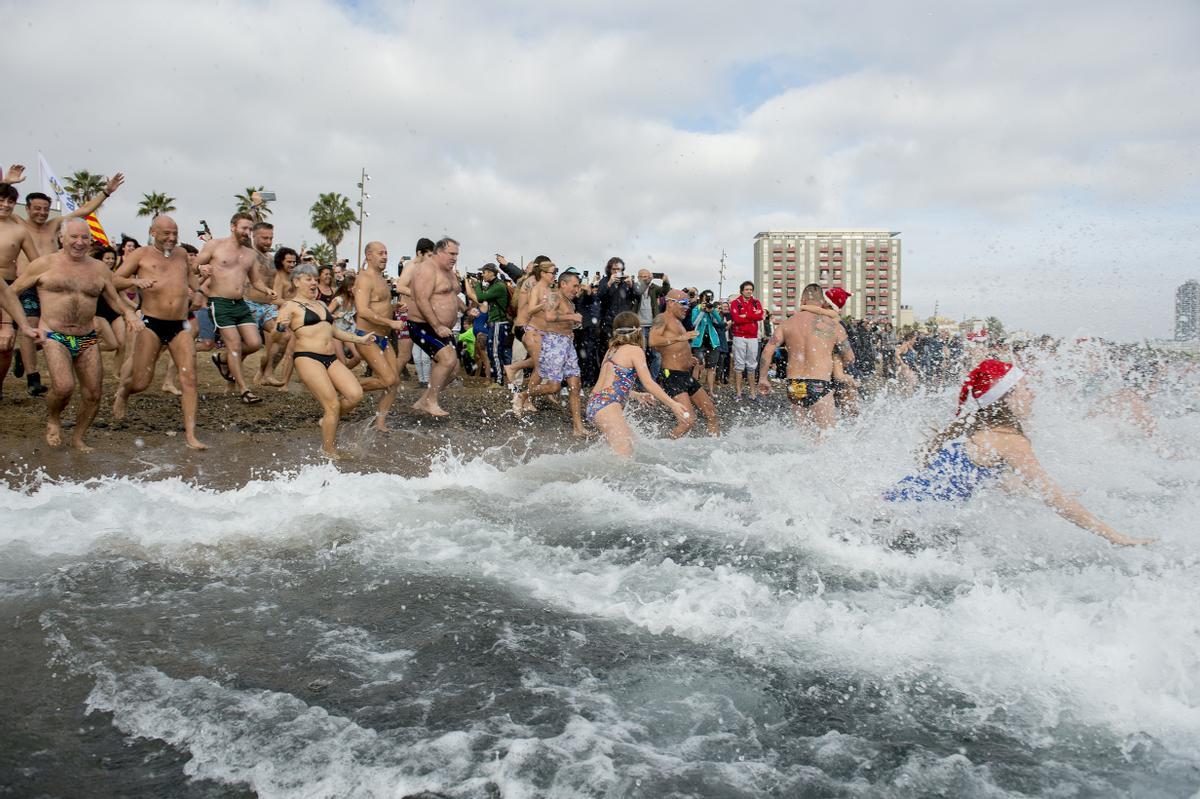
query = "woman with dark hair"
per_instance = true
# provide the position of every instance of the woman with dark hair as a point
(325, 284)
(988, 444)
(110, 340)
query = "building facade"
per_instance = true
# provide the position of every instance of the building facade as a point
(864, 262)
(1187, 311)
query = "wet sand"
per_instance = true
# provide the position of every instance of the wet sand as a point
(280, 433)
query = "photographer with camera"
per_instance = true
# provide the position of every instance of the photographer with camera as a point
(708, 323)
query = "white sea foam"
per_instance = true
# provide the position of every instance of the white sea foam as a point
(764, 545)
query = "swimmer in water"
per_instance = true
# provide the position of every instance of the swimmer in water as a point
(988, 444)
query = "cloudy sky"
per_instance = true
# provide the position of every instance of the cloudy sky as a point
(1039, 158)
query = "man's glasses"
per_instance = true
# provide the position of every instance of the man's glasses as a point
(684, 303)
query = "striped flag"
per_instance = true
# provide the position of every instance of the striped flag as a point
(97, 230)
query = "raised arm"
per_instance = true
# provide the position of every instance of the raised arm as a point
(1017, 452)
(93, 205)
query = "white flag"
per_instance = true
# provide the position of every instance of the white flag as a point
(53, 186)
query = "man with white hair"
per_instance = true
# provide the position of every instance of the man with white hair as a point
(68, 283)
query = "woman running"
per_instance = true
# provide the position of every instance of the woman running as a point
(311, 323)
(624, 361)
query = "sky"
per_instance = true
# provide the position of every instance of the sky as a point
(1039, 159)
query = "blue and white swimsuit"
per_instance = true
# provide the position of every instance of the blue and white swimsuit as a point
(950, 477)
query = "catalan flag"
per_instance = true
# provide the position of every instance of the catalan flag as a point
(97, 230)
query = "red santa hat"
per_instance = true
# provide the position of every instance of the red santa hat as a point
(836, 297)
(988, 382)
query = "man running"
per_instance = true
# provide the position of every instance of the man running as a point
(15, 240)
(231, 262)
(165, 305)
(811, 338)
(264, 305)
(68, 283)
(430, 318)
(45, 236)
(558, 362)
(373, 317)
(674, 344)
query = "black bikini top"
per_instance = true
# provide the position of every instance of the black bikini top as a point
(311, 318)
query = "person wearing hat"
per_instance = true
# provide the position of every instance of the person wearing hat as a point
(495, 293)
(812, 336)
(986, 443)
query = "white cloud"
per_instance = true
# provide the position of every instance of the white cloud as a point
(1008, 143)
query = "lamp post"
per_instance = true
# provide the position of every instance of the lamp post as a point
(721, 279)
(362, 212)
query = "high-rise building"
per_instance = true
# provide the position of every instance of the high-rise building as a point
(864, 262)
(1187, 311)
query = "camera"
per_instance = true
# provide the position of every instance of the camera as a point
(267, 196)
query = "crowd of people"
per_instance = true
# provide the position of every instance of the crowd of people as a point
(602, 339)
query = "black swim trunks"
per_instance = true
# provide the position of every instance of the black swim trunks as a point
(165, 329)
(424, 337)
(806, 392)
(679, 382)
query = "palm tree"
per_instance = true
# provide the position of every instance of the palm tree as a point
(322, 253)
(332, 216)
(83, 185)
(245, 203)
(154, 204)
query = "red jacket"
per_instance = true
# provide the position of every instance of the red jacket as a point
(746, 313)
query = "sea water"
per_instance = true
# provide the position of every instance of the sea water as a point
(740, 617)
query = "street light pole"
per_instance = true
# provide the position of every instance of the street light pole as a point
(362, 212)
(721, 280)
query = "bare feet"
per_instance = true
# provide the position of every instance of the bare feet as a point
(430, 408)
(264, 380)
(171, 388)
(54, 434)
(518, 404)
(78, 444)
(120, 401)
(513, 376)
(581, 432)
(195, 443)
(334, 455)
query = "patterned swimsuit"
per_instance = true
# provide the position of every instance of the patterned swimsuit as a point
(618, 392)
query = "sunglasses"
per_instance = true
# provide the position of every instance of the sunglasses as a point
(684, 303)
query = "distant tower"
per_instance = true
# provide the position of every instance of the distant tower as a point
(1187, 311)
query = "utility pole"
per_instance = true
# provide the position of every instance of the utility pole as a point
(721, 279)
(362, 212)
